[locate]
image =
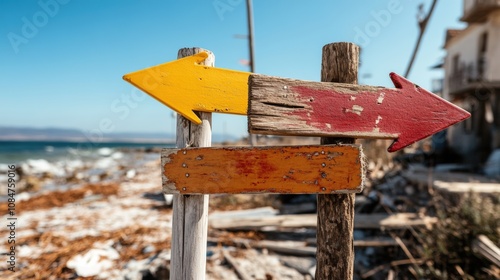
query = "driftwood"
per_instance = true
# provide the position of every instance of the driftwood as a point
(379, 268)
(240, 272)
(304, 265)
(361, 221)
(297, 248)
(294, 248)
(485, 248)
(371, 242)
(458, 183)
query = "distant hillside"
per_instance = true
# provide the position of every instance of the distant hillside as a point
(63, 134)
(14, 133)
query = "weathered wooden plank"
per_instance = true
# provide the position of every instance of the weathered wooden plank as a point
(296, 248)
(368, 242)
(409, 113)
(240, 272)
(292, 169)
(361, 221)
(279, 106)
(485, 248)
(190, 212)
(454, 182)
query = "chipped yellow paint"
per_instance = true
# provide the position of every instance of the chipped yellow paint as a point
(185, 86)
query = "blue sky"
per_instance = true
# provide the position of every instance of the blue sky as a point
(62, 61)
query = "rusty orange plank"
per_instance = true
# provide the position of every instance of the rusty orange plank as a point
(292, 169)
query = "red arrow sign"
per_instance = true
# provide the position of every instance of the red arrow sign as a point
(407, 113)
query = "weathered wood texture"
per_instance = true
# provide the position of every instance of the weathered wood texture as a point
(232, 262)
(454, 182)
(293, 169)
(296, 248)
(361, 221)
(485, 248)
(190, 213)
(294, 107)
(335, 255)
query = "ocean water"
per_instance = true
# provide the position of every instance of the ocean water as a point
(62, 160)
(15, 152)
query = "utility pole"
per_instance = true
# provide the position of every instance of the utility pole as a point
(250, 34)
(422, 24)
(251, 137)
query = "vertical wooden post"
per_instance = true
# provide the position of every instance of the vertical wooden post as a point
(335, 254)
(190, 217)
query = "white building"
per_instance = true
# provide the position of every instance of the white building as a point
(472, 80)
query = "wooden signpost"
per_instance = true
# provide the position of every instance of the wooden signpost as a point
(278, 106)
(335, 219)
(190, 212)
(295, 169)
(334, 108)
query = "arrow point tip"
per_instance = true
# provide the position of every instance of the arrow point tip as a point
(399, 81)
(395, 146)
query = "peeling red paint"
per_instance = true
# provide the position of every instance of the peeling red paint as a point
(333, 111)
(407, 112)
(256, 164)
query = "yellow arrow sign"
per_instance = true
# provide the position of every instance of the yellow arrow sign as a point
(185, 86)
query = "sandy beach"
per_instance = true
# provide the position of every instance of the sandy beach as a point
(110, 230)
(105, 217)
(116, 228)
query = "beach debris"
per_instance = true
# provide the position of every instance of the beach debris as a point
(120, 226)
(131, 174)
(95, 261)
